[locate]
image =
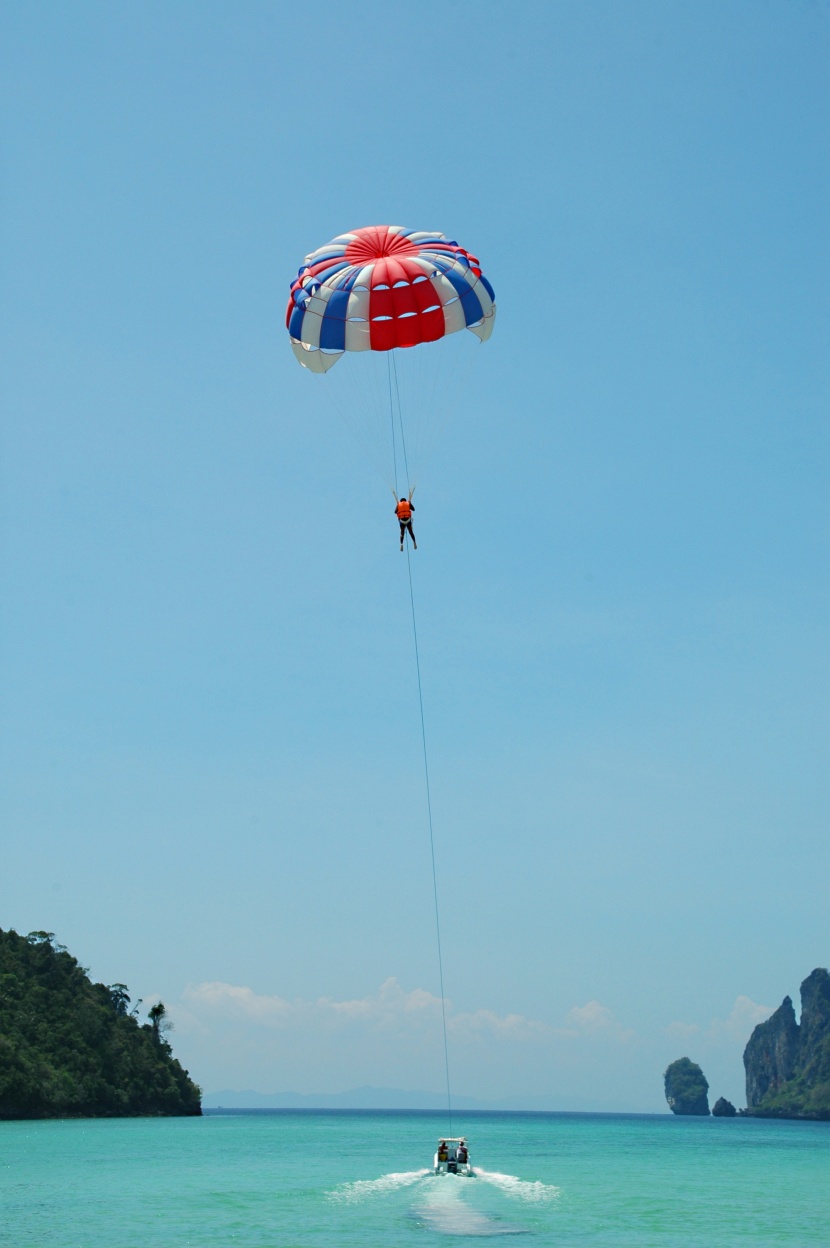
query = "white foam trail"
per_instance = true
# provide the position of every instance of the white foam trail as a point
(521, 1189)
(462, 1220)
(445, 1210)
(363, 1189)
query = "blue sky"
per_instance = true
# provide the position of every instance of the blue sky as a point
(209, 716)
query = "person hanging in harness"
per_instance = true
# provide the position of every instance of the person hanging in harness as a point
(404, 512)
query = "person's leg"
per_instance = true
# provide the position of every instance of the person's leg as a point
(403, 534)
(412, 534)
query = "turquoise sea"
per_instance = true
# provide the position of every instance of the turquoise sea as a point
(332, 1179)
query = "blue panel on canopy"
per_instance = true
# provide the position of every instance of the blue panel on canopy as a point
(295, 324)
(333, 328)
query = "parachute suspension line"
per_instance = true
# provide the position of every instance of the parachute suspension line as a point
(409, 487)
(392, 422)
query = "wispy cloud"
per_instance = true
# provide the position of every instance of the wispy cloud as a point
(233, 1036)
(483, 1023)
(735, 1029)
(737, 1026)
(594, 1019)
(390, 1009)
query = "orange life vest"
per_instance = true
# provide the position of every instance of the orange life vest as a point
(403, 511)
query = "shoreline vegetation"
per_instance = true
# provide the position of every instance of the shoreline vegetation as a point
(70, 1048)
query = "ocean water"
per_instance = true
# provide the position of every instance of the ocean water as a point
(339, 1178)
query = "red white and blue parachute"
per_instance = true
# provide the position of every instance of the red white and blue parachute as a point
(383, 287)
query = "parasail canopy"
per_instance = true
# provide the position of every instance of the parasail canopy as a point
(383, 287)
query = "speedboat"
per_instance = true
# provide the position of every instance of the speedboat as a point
(447, 1159)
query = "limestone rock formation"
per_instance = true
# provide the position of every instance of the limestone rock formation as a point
(686, 1088)
(787, 1063)
(723, 1108)
(771, 1053)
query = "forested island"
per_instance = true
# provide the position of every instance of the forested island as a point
(788, 1063)
(70, 1048)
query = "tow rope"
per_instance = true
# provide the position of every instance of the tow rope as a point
(393, 370)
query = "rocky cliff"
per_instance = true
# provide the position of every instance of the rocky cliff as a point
(788, 1063)
(686, 1088)
(771, 1054)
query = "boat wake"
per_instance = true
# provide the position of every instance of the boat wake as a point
(364, 1189)
(450, 1204)
(446, 1207)
(520, 1189)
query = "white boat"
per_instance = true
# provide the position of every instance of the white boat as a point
(447, 1159)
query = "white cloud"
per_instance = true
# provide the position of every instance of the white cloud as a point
(590, 1017)
(595, 1019)
(485, 1023)
(232, 1001)
(735, 1029)
(233, 1036)
(744, 1015)
(389, 1009)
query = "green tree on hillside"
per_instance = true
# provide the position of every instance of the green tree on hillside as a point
(72, 1048)
(159, 1021)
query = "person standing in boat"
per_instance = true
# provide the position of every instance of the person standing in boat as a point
(443, 1155)
(461, 1154)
